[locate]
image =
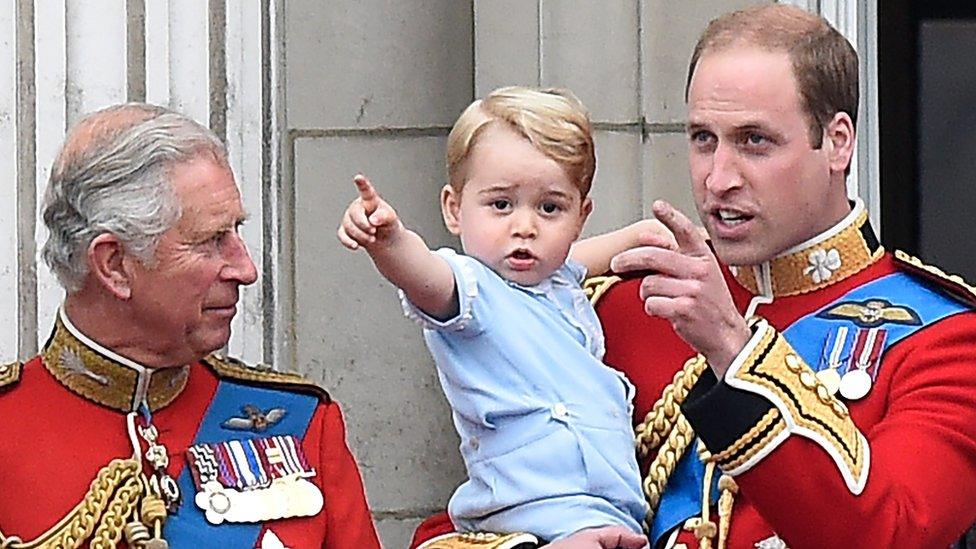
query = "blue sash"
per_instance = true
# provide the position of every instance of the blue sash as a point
(683, 494)
(187, 528)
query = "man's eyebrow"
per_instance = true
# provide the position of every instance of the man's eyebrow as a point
(749, 126)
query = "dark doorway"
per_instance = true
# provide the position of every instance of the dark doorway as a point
(927, 96)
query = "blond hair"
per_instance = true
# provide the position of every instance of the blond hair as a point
(824, 63)
(553, 120)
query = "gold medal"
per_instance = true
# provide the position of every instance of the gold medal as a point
(830, 379)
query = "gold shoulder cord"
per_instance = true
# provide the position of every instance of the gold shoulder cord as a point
(108, 511)
(666, 432)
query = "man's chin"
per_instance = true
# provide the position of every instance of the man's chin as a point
(211, 342)
(738, 254)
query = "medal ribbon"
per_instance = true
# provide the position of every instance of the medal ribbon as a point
(188, 527)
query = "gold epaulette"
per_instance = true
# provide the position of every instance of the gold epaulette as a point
(595, 287)
(482, 540)
(10, 373)
(952, 283)
(234, 369)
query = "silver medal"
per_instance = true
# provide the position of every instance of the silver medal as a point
(855, 384)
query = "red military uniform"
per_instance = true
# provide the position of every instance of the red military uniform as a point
(63, 418)
(814, 466)
(791, 454)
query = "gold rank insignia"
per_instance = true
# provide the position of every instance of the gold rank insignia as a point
(595, 287)
(10, 373)
(872, 313)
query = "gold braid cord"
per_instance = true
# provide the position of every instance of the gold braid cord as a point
(100, 517)
(481, 540)
(664, 463)
(663, 415)
(666, 431)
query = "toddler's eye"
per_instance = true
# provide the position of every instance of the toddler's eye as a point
(550, 207)
(501, 204)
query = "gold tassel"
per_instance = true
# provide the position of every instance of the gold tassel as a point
(729, 489)
(703, 527)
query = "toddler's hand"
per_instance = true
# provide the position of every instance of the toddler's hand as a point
(651, 232)
(607, 537)
(368, 220)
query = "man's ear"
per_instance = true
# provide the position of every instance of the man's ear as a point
(451, 209)
(839, 139)
(110, 266)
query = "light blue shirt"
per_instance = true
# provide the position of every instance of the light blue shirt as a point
(545, 426)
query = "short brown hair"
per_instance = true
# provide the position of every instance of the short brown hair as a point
(824, 63)
(553, 120)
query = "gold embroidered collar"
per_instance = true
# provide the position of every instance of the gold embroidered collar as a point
(841, 251)
(106, 377)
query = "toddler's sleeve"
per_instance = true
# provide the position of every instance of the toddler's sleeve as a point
(470, 317)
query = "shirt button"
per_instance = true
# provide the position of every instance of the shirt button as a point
(560, 412)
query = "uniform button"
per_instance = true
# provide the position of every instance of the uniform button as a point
(559, 411)
(807, 379)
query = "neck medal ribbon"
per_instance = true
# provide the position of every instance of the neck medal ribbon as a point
(254, 480)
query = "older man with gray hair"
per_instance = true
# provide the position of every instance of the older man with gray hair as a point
(128, 425)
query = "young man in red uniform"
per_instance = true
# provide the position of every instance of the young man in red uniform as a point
(826, 397)
(127, 429)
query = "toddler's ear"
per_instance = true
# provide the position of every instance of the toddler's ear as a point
(451, 209)
(586, 207)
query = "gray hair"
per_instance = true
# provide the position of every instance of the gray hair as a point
(112, 176)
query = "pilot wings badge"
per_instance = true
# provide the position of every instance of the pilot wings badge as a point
(254, 419)
(872, 313)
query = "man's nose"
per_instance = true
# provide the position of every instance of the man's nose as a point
(724, 175)
(239, 266)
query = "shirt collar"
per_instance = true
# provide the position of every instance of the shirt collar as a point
(828, 258)
(103, 376)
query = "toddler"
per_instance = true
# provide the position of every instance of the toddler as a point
(545, 426)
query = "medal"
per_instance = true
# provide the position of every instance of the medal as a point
(862, 368)
(830, 379)
(835, 353)
(258, 480)
(855, 384)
